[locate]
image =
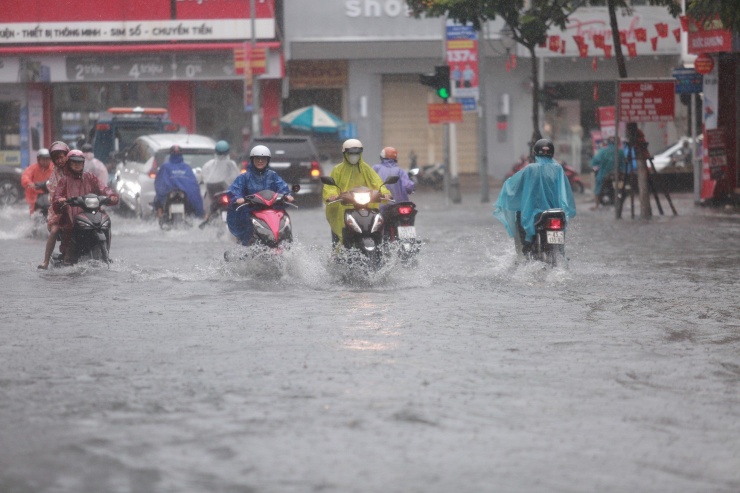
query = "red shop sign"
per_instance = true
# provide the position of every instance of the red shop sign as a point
(647, 101)
(703, 64)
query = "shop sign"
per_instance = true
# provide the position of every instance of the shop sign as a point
(703, 64)
(317, 73)
(688, 81)
(647, 101)
(717, 157)
(178, 66)
(445, 113)
(708, 37)
(462, 57)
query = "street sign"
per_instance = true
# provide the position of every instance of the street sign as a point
(704, 63)
(462, 57)
(445, 113)
(689, 81)
(468, 104)
(647, 101)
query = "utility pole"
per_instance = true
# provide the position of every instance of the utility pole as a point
(482, 123)
(256, 105)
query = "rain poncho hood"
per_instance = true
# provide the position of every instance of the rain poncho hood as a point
(221, 169)
(348, 176)
(535, 188)
(604, 159)
(403, 187)
(175, 174)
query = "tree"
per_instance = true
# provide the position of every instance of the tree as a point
(528, 26)
(727, 11)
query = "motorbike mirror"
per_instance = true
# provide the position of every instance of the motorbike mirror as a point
(414, 171)
(295, 188)
(328, 180)
(391, 180)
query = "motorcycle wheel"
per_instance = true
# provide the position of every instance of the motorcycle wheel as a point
(9, 193)
(555, 256)
(99, 252)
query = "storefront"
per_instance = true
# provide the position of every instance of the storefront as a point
(63, 65)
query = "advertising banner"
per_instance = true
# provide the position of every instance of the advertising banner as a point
(462, 57)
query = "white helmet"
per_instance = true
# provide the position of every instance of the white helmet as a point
(43, 153)
(353, 146)
(260, 150)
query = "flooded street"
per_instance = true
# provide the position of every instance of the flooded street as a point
(174, 371)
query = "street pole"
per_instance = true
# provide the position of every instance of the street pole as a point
(453, 182)
(482, 123)
(695, 162)
(256, 106)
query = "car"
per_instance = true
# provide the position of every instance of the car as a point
(117, 128)
(672, 158)
(11, 189)
(295, 159)
(134, 178)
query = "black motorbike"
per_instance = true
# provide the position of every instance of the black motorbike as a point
(430, 175)
(548, 243)
(41, 208)
(175, 205)
(217, 211)
(363, 226)
(400, 231)
(91, 231)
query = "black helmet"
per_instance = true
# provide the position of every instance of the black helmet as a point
(543, 147)
(175, 149)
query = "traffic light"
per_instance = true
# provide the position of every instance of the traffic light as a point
(440, 81)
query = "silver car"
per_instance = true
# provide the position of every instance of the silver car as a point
(134, 179)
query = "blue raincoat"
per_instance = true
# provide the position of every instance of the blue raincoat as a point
(402, 188)
(248, 183)
(604, 161)
(175, 174)
(535, 188)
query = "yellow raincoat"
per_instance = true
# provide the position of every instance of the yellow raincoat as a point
(348, 176)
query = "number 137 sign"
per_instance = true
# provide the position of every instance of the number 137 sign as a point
(462, 57)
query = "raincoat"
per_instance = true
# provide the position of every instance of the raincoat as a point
(218, 174)
(245, 184)
(96, 167)
(604, 161)
(52, 217)
(31, 175)
(402, 188)
(175, 174)
(535, 188)
(348, 176)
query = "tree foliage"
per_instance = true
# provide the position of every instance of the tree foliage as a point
(727, 10)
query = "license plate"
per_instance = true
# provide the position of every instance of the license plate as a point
(406, 232)
(223, 216)
(177, 208)
(556, 237)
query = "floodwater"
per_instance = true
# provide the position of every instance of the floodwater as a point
(174, 371)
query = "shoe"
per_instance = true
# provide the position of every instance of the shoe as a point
(42, 267)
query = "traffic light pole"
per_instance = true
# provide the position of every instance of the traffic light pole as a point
(453, 187)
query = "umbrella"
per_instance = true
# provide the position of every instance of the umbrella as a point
(312, 118)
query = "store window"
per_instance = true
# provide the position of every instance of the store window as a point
(10, 133)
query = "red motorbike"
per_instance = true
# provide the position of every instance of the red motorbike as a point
(573, 177)
(272, 228)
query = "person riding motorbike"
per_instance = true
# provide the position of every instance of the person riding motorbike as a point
(75, 183)
(219, 173)
(537, 187)
(603, 165)
(257, 178)
(93, 165)
(58, 152)
(389, 167)
(175, 174)
(40, 171)
(351, 172)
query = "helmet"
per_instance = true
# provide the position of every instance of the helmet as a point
(260, 151)
(222, 147)
(352, 146)
(58, 146)
(87, 148)
(389, 153)
(43, 153)
(543, 147)
(175, 149)
(75, 156)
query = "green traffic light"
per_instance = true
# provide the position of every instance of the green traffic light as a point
(443, 93)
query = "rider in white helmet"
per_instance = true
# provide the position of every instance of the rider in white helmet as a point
(351, 172)
(258, 177)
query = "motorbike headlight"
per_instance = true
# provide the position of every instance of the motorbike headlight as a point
(377, 223)
(286, 223)
(350, 222)
(92, 202)
(362, 198)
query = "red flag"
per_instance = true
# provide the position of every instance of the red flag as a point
(608, 51)
(623, 37)
(662, 29)
(554, 43)
(583, 50)
(654, 42)
(641, 34)
(513, 61)
(578, 39)
(632, 49)
(595, 65)
(677, 34)
(599, 41)
(684, 23)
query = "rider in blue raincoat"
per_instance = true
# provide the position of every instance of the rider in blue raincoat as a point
(535, 188)
(175, 174)
(257, 178)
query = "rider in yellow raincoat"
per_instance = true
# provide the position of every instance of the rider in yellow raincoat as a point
(351, 172)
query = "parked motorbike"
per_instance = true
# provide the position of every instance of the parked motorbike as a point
(173, 216)
(92, 229)
(431, 175)
(363, 230)
(400, 231)
(218, 209)
(548, 243)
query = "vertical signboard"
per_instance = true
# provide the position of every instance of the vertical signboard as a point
(462, 57)
(709, 115)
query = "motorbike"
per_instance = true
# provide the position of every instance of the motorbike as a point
(431, 175)
(218, 209)
(41, 208)
(401, 232)
(364, 227)
(576, 184)
(548, 243)
(92, 229)
(174, 211)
